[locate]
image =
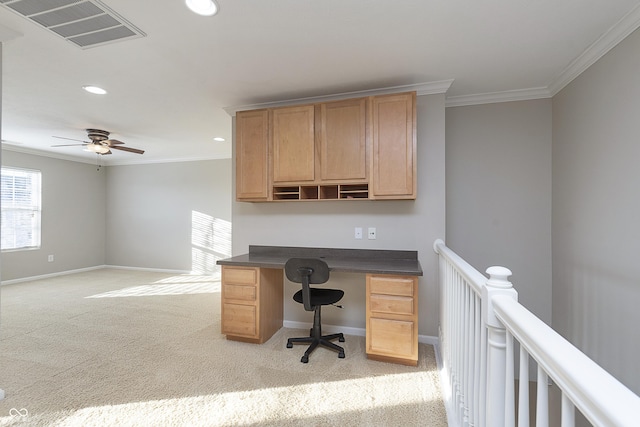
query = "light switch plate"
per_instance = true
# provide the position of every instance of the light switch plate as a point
(372, 233)
(358, 233)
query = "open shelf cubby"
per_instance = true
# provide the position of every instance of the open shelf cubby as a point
(286, 193)
(321, 192)
(354, 191)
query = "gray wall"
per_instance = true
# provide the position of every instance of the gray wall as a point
(73, 218)
(170, 216)
(596, 207)
(499, 193)
(407, 225)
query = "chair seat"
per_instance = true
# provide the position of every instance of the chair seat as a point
(321, 296)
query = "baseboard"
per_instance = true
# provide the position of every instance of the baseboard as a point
(329, 329)
(47, 276)
(359, 332)
(155, 270)
(97, 267)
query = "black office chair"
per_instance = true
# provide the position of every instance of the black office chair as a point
(313, 271)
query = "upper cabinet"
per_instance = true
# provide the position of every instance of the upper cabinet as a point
(252, 155)
(361, 148)
(342, 140)
(293, 143)
(394, 146)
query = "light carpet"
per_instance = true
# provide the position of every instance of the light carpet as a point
(130, 348)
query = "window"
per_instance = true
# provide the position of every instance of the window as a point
(21, 208)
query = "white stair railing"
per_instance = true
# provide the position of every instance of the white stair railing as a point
(480, 322)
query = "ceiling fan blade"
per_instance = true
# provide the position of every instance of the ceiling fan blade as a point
(112, 142)
(70, 145)
(131, 150)
(70, 139)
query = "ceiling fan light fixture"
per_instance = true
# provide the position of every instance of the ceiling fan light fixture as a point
(97, 148)
(94, 89)
(202, 7)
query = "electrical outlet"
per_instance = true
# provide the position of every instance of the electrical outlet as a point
(372, 233)
(358, 233)
(50, 258)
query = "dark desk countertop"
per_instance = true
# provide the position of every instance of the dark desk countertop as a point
(340, 260)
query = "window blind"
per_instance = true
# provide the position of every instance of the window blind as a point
(21, 208)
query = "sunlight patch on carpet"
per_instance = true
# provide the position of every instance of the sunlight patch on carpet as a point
(290, 404)
(175, 285)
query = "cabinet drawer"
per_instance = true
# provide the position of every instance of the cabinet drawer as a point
(391, 304)
(394, 338)
(239, 292)
(391, 285)
(242, 276)
(239, 320)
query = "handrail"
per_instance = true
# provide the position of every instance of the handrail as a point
(473, 276)
(478, 353)
(600, 397)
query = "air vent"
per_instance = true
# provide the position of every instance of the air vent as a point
(86, 24)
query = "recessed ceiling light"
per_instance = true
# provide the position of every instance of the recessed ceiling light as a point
(219, 139)
(94, 89)
(202, 7)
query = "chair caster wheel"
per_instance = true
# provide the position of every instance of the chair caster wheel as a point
(341, 355)
(289, 345)
(305, 359)
(341, 339)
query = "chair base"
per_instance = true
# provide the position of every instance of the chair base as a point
(324, 341)
(316, 339)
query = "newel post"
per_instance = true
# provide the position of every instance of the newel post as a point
(498, 284)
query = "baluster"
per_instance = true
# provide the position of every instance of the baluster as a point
(477, 348)
(509, 396)
(568, 412)
(523, 390)
(542, 399)
(467, 353)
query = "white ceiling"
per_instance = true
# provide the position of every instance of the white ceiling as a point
(168, 91)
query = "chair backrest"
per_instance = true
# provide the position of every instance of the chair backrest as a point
(314, 268)
(306, 271)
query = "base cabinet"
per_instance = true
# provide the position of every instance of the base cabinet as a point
(392, 318)
(252, 303)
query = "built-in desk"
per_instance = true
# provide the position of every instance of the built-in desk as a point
(252, 295)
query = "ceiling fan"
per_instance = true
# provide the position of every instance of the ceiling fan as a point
(100, 143)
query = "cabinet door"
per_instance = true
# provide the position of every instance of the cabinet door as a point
(240, 305)
(252, 303)
(293, 144)
(252, 166)
(342, 140)
(392, 318)
(394, 146)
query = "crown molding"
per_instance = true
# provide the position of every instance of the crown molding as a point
(610, 39)
(104, 162)
(494, 97)
(43, 153)
(618, 32)
(429, 88)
